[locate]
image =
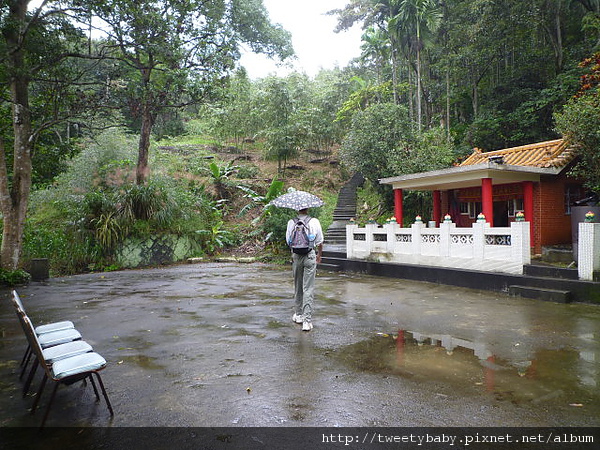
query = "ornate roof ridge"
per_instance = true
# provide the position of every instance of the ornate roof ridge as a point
(553, 153)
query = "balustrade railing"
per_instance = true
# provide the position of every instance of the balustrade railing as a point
(481, 247)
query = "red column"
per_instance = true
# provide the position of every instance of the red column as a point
(398, 205)
(487, 201)
(528, 207)
(437, 207)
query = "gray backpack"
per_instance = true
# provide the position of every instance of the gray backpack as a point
(299, 241)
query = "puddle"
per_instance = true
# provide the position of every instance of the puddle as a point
(143, 362)
(564, 377)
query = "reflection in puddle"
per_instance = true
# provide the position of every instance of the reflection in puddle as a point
(565, 376)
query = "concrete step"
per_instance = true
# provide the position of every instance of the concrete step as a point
(350, 210)
(328, 266)
(334, 254)
(536, 270)
(551, 295)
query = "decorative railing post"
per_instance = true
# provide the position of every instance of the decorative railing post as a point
(371, 228)
(445, 229)
(588, 255)
(391, 226)
(417, 230)
(350, 239)
(479, 237)
(520, 242)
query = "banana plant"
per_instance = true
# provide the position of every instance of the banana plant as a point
(219, 175)
(216, 238)
(275, 190)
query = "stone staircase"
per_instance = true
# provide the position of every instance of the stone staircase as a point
(335, 236)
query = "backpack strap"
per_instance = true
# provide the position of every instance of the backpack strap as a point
(297, 219)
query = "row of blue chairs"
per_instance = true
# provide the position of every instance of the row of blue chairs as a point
(58, 349)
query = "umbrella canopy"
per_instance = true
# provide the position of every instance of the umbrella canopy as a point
(297, 200)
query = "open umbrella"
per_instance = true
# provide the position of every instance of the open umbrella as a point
(297, 200)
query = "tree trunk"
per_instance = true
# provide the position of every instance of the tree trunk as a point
(395, 74)
(14, 196)
(559, 44)
(475, 100)
(419, 97)
(142, 170)
(448, 101)
(554, 32)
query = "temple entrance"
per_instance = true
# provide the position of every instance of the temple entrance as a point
(501, 214)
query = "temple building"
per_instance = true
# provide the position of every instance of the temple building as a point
(531, 179)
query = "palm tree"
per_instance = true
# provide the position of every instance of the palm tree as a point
(418, 18)
(376, 49)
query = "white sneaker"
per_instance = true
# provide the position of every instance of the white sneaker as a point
(307, 326)
(297, 318)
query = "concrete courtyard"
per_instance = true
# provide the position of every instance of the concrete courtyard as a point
(213, 345)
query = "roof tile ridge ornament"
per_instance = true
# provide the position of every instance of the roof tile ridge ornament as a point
(475, 156)
(558, 154)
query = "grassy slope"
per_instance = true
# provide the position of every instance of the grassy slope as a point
(316, 173)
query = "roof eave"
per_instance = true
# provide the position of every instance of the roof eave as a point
(470, 175)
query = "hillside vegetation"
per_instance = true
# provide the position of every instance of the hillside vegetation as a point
(214, 193)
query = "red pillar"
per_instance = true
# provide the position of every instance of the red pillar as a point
(528, 207)
(437, 207)
(398, 205)
(487, 200)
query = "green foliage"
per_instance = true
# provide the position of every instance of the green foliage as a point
(257, 200)
(280, 100)
(79, 232)
(79, 222)
(173, 53)
(274, 227)
(219, 175)
(106, 160)
(325, 212)
(370, 205)
(370, 144)
(579, 122)
(429, 150)
(493, 71)
(14, 277)
(245, 172)
(362, 97)
(216, 237)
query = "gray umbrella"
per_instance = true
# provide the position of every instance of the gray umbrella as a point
(297, 200)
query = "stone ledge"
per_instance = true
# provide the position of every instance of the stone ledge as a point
(552, 295)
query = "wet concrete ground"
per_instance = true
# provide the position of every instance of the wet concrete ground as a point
(213, 344)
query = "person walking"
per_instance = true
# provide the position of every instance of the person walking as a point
(304, 235)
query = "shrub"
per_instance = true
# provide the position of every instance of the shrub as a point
(14, 277)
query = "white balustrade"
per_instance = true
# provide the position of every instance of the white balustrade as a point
(479, 247)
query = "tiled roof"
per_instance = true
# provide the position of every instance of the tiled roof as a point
(543, 154)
